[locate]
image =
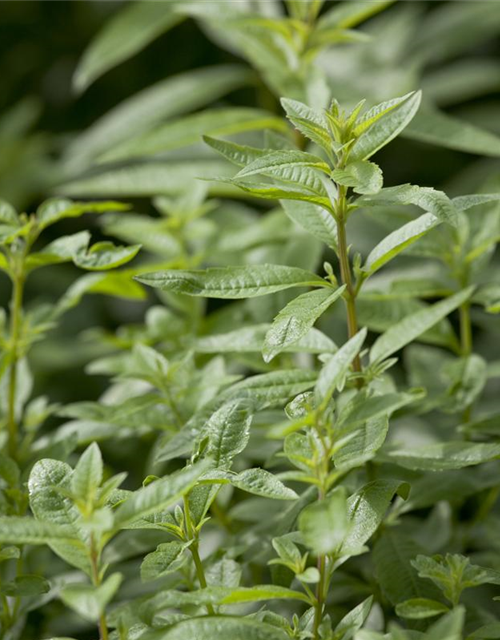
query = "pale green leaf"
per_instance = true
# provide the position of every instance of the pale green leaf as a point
(25, 530)
(420, 608)
(168, 558)
(158, 495)
(90, 601)
(435, 202)
(334, 371)
(232, 282)
(397, 241)
(129, 31)
(442, 456)
(238, 154)
(314, 219)
(325, 524)
(105, 255)
(189, 130)
(171, 97)
(405, 331)
(363, 176)
(87, 476)
(222, 628)
(381, 124)
(311, 123)
(296, 319)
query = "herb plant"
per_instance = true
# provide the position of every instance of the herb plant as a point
(316, 458)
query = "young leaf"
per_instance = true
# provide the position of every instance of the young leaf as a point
(256, 481)
(364, 177)
(295, 320)
(411, 327)
(228, 432)
(232, 282)
(87, 476)
(24, 530)
(158, 496)
(382, 123)
(290, 166)
(333, 372)
(168, 558)
(104, 255)
(311, 123)
(56, 209)
(354, 620)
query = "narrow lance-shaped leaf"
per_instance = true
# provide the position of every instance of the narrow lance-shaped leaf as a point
(188, 130)
(405, 331)
(224, 628)
(25, 530)
(397, 241)
(313, 219)
(232, 282)
(295, 320)
(238, 154)
(87, 476)
(134, 27)
(310, 123)
(333, 372)
(381, 124)
(256, 481)
(158, 495)
(433, 201)
(325, 524)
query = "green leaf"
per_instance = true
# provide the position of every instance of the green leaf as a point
(238, 154)
(26, 586)
(397, 241)
(89, 601)
(377, 406)
(256, 481)
(87, 476)
(354, 620)
(168, 558)
(158, 495)
(442, 456)
(8, 215)
(325, 524)
(232, 282)
(228, 432)
(312, 124)
(420, 608)
(290, 166)
(398, 580)
(367, 509)
(264, 592)
(449, 627)
(361, 445)
(251, 340)
(24, 530)
(104, 255)
(147, 179)
(454, 573)
(313, 219)
(49, 480)
(439, 128)
(347, 15)
(130, 30)
(171, 97)
(334, 371)
(363, 176)
(435, 202)
(189, 130)
(296, 319)
(405, 331)
(56, 209)
(382, 123)
(223, 628)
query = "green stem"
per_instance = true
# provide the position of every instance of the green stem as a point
(96, 579)
(194, 549)
(15, 334)
(465, 329)
(345, 271)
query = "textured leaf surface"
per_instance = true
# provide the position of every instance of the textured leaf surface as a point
(232, 282)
